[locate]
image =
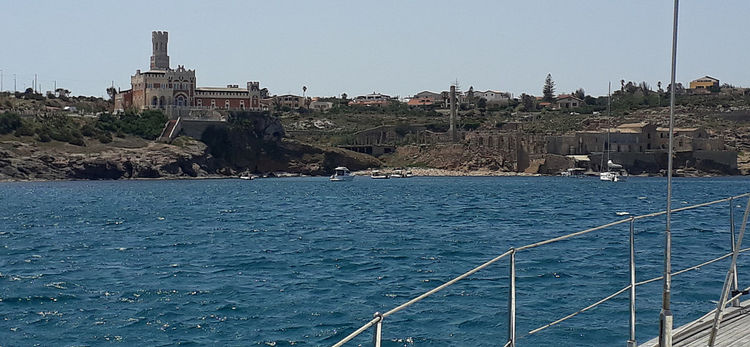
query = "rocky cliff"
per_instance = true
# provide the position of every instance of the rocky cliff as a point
(252, 143)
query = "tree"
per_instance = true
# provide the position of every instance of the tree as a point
(678, 90)
(111, 91)
(482, 104)
(622, 85)
(580, 93)
(658, 85)
(470, 95)
(62, 93)
(645, 88)
(549, 89)
(527, 102)
(344, 96)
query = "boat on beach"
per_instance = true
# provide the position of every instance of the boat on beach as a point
(401, 173)
(341, 173)
(574, 172)
(377, 175)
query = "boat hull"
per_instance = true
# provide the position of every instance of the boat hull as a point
(336, 178)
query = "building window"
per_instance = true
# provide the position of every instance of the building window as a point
(226, 104)
(200, 102)
(242, 104)
(213, 103)
(154, 101)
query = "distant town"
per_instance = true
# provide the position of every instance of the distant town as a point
(455, 130)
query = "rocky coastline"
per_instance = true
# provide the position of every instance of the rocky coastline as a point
(188, 159)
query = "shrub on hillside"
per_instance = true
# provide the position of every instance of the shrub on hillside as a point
(104, 137)
(9, 122)
(26, 129)
(44, 135)
(147, 125)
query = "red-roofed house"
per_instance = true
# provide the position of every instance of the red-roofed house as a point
(568, 101)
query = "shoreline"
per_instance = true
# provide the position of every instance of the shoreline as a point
(417, 172)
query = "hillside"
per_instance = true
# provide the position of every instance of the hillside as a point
(48, 143)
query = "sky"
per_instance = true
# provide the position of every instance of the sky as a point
(394, 47)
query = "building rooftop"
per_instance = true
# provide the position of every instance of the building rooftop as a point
(633, 125)
(678, 129)
(220, 89)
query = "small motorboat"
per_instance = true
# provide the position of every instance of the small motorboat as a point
(377, 175)
(398, 173)
(342, 174)
(573, 172)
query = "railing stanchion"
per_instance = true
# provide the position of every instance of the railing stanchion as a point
(728, 280)
(632, 342)
(735, 286)
(512, 300)
(377, 330)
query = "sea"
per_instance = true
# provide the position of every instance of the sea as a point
(304, 261)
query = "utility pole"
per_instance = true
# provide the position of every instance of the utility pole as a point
(35, 85)
(15, 90)
(1, 80)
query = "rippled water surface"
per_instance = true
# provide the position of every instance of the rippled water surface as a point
(305, 261)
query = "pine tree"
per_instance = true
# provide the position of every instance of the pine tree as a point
(549, 89)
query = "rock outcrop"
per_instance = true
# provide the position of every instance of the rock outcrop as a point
(187, 158)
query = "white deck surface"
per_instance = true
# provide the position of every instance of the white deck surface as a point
(734, 330)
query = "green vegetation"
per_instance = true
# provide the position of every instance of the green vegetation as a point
(9, 122)
(147, 125)
(74, 130)
(549, 89)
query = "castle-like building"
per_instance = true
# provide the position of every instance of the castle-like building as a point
(163, 88)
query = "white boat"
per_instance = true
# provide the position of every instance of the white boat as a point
(574, 172)
(246, 177)
(610, 176)
(341, 174)
(615, 172)
(377, 175)
(399, 173)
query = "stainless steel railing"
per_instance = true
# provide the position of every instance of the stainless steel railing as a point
(730, 283)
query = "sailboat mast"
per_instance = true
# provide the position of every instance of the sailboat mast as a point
(666, 318)
(609, 120)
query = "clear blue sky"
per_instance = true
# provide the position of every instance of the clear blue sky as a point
(393, 47)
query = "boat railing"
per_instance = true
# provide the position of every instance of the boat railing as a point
(730, 292)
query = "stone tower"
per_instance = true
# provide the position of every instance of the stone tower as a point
(159, 58)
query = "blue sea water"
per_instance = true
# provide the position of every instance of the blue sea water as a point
(305, 261)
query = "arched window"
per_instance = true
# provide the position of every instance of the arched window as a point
(154, 101)
(226, 104)
(161, 102)
(180, 101)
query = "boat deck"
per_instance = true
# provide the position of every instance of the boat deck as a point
(734, 330)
